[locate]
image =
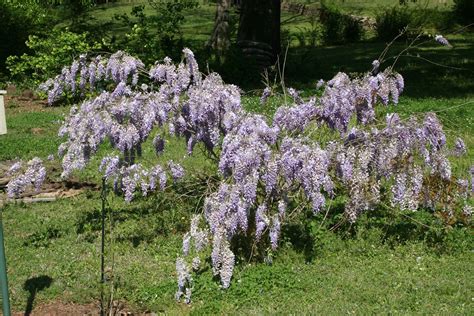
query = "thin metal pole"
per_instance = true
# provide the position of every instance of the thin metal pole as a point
(102, 247)
(3, 272)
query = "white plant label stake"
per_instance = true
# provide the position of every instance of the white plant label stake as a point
(3, 122)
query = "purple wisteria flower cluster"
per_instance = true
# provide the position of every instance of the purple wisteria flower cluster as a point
(198, 238)
(179, 102)
(402, 156)
(264, 164)
(118, 68)
(342, 99)
(442, 40)
(33, 175)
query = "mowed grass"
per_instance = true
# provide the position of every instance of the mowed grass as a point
(30, 133)
(357, 275)
(371, 8)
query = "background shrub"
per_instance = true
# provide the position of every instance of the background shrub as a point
(338, 27)
(390, 22)
(154, 36)
(308, 36)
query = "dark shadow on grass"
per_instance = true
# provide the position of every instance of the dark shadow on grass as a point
(301, 240)
(158, 214)
(33, 286)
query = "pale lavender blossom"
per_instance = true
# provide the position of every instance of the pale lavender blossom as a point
(442, 40)
(295, 95)
(110, 165)
(320, 84)
(265, 95)
(184, 281)
(177, 172)
(157, 175)
(459, 147)
(15, 167)
(375, 66)
(275, 231)
(196, 263)
(282, 206)
(261, 221)
(227, 267)
(34, 176)
(133, 177)
(186, 243)
(467, 210)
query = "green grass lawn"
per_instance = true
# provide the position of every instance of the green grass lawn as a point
(31, 134)
(371, 8)
(360, 275)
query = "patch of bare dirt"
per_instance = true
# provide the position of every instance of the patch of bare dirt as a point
(24, 101)
(37, 130)
(49, 191)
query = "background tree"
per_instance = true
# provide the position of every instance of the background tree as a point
(259, 27)
(220, 38)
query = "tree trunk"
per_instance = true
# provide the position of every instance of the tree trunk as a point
(220, 39)
(259, 28)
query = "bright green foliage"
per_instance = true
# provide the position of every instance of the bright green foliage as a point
(48, 55)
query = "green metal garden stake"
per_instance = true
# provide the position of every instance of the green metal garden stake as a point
(3, 272)
(103, 197)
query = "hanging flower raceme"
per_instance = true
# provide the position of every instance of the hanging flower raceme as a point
(32, 176)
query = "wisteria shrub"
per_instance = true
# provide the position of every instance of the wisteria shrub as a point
(310, 153)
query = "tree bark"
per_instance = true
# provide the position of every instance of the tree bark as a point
(260, 23)
(220, 39)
